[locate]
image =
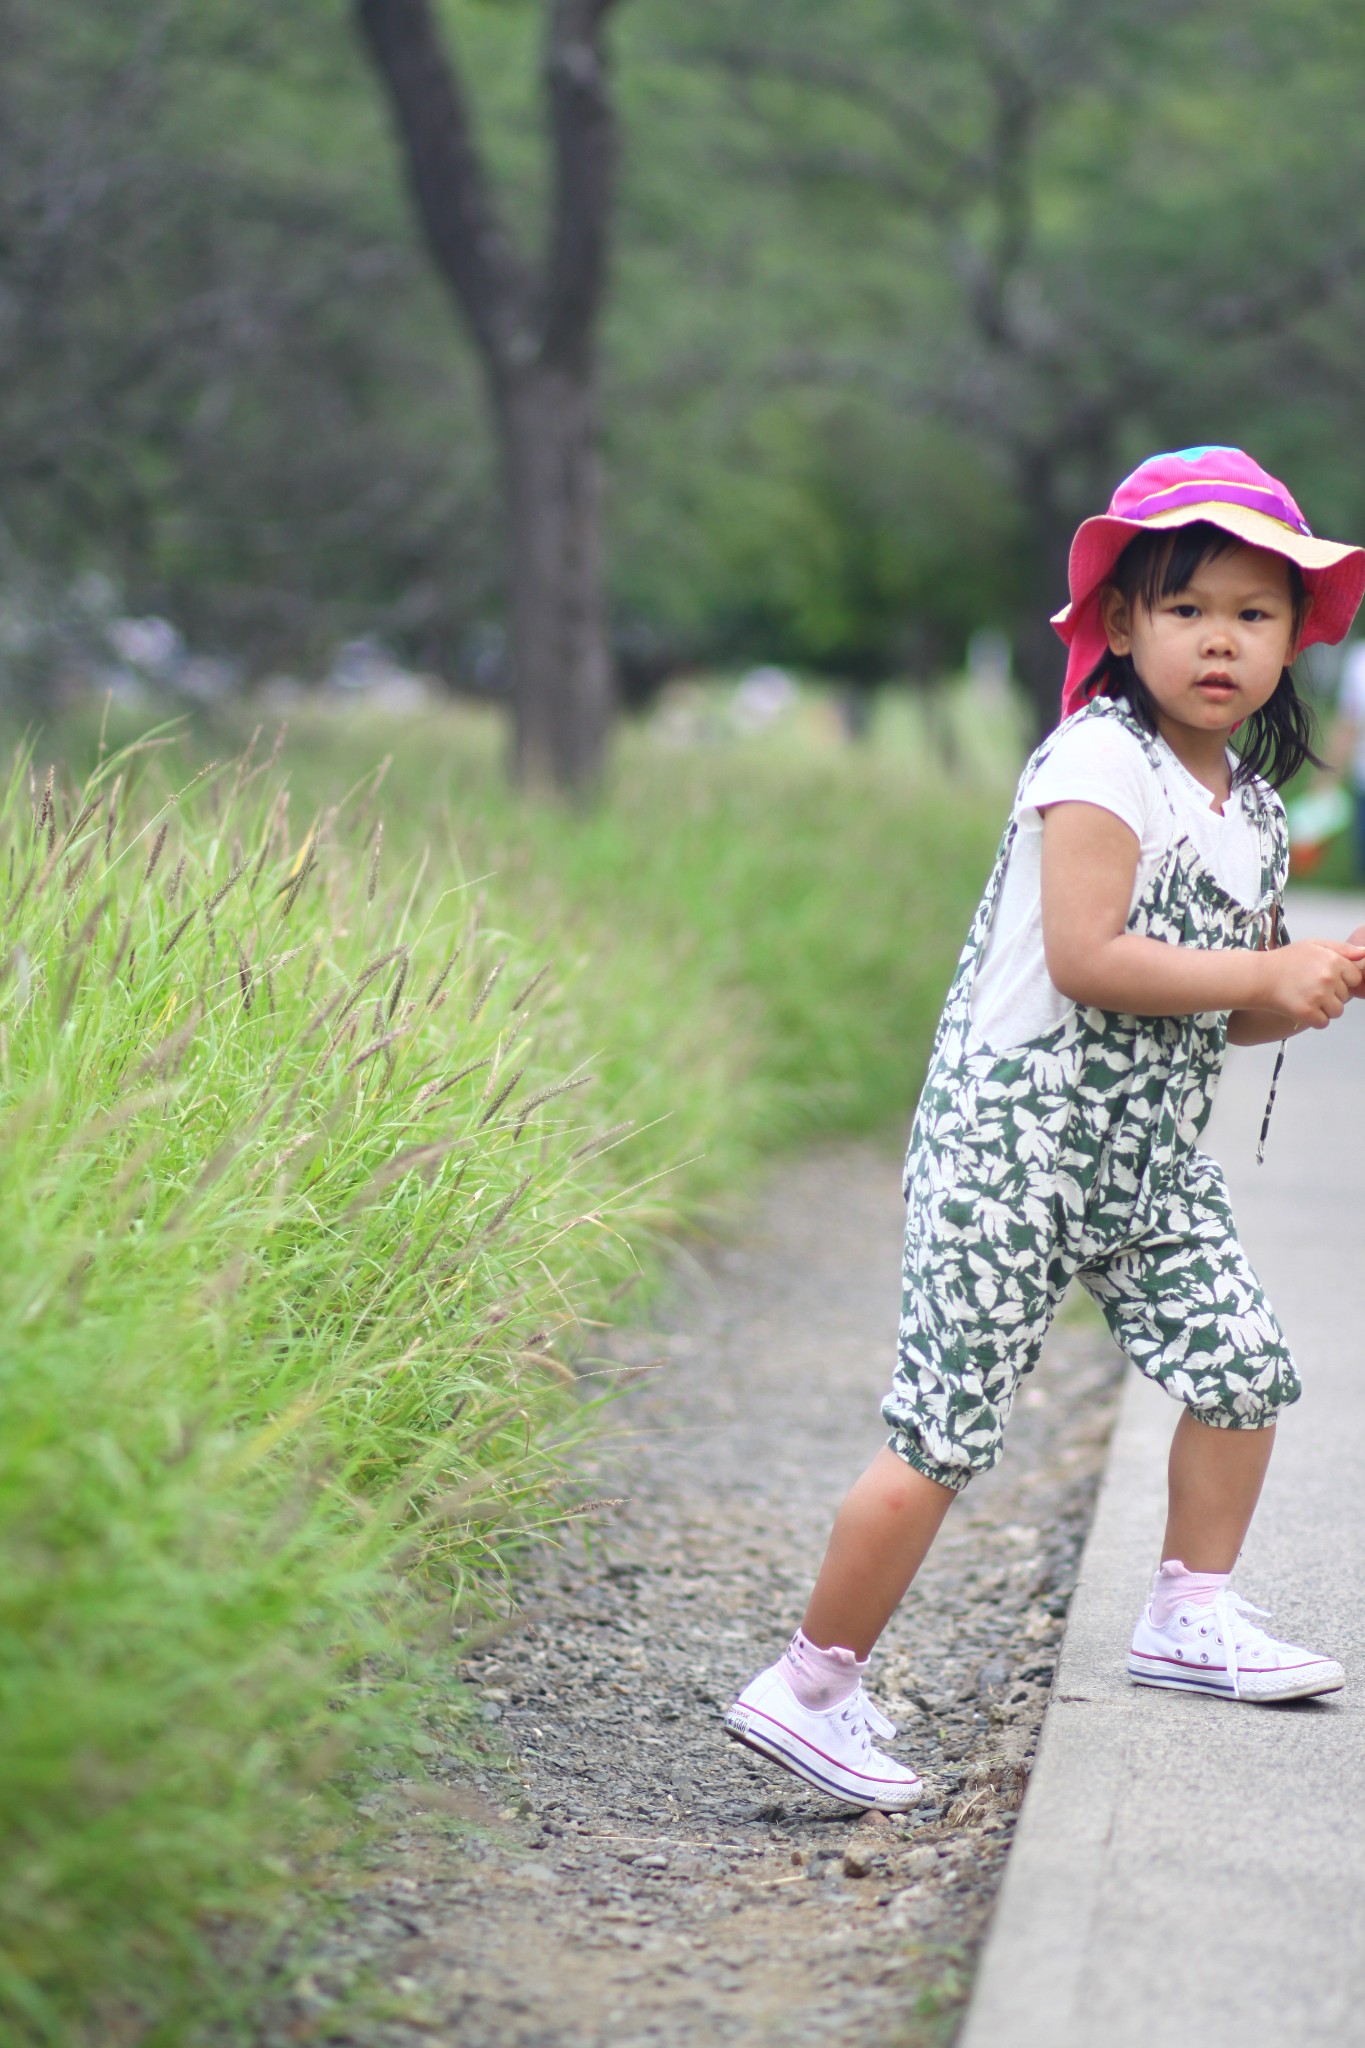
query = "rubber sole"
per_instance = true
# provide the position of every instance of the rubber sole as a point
(1305, 1689)
(811, 1774)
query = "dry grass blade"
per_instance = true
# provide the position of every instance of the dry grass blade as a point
(238, 871)
(412, 1161)
(120, 948)
(77, 952)
(549, 1363)
(434, 991)
(16, 903)
(596, 1506)
(372, 881)
(87, 812)
(46, 816)
(166, 1057)
(498, 1100)
(369, 1052)
(178, 934)
(400, 981)
(366, 976)
(443, 1505)
(258, 865)
(111, 816)
(525, 993)
(76, 872)
(601, 1140)
(319, 1017)
(87, 929)
(303, 867)
(103, 1126)
(154, 856)
(486, 991)
(506, 1206)
(435, 1088)
(549, 1094)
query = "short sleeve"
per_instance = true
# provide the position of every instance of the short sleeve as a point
(1095, 761)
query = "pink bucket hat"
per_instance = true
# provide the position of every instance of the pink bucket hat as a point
(1225, 487)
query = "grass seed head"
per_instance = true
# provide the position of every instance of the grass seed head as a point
(154, 856)
(372, 882)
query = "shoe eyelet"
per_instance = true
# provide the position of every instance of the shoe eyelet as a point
(1184, 1621)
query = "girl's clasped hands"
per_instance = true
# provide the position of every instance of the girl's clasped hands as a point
(1311, 981)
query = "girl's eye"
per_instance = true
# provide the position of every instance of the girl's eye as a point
(1253, 612)
(1185, 611)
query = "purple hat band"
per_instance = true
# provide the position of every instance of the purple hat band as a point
(1207, 490)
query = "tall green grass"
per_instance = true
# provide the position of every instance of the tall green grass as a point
(755, 937)
(294, 1217)
(308, 1174)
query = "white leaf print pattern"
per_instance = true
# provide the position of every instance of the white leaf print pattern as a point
(1076, 1153)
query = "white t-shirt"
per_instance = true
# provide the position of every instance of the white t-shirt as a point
(1098, 761)
(1351, 704)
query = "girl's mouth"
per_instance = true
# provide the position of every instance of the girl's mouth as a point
(1216, 686)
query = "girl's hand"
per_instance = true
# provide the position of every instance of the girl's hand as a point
(1357, 938)
(1312, 980)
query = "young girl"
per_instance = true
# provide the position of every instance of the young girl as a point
(1130, 929)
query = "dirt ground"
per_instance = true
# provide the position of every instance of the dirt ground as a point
(637, 1879)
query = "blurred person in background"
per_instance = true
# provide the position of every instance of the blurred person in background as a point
(1346, 753)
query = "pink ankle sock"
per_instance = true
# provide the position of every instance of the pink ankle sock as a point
(1174, 1584)
(820, 1678)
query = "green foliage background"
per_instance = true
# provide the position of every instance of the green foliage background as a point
(899, 292)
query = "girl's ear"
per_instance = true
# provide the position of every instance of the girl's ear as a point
(1116, 620)
(1300, 628)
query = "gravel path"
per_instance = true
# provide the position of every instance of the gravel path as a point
(640, 1879)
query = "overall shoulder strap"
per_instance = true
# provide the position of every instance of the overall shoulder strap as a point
(1273, 834)
(1117, 711)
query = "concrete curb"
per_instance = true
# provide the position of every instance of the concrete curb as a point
(1029, 1988)
(1188, 1871)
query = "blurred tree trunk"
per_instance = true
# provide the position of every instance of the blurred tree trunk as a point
(561, 659)
(536, 332)
(1039, 655)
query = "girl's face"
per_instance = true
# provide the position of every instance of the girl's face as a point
(1213, 653)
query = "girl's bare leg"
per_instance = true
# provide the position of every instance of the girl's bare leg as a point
(1214, 1480)
(881, 1537)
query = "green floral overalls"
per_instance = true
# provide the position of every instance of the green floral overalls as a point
(1075, 1155)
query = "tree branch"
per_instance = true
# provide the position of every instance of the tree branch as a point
(454, 199)
(840, 80)
(833, 164)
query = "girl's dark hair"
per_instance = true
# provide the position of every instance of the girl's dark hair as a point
(1275, 741)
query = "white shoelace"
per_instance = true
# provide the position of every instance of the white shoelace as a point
(874, 1720)
(1227, 1609)
(851, 1714)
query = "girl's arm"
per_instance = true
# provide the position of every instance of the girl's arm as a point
(1260, 1027)
(1089, 862)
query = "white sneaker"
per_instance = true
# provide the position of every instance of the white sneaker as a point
(831, 1750)
(1216, 1648)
